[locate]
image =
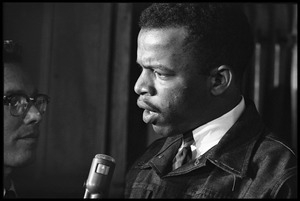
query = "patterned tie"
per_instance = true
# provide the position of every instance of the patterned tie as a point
(185, 154)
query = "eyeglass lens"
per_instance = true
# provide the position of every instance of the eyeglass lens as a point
(19, 104)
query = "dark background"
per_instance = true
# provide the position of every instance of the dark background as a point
(83, 56)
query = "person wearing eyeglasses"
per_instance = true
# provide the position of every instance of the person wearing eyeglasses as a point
(23, 110)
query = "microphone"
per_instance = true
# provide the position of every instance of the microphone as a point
(98, 181)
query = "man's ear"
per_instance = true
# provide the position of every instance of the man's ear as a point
(220, 79)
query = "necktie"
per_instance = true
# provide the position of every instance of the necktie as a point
(10, 194)
(185, 154)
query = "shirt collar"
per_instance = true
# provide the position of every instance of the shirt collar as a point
(209, 134)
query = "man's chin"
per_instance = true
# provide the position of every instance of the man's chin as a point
(163, 130)
(24, 159)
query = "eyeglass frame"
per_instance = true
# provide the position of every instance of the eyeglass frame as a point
(30, 101)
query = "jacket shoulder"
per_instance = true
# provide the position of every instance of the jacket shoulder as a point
(273, 144)
(273, 156)
(276, 163)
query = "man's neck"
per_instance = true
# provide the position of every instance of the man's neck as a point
(224, 104)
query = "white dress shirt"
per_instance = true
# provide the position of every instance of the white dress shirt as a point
(209, 134)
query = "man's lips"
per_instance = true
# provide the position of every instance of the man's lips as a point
(31, 135)
(150, 113)
(146, 106)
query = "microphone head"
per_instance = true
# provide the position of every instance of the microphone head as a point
(100, 175)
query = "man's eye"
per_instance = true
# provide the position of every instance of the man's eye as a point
(18, 101)
(157, 73)
(160, 75)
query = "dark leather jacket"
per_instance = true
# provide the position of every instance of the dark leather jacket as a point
(248, 162)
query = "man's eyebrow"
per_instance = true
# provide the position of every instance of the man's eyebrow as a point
(19, 91)
(160, 67)
(14, 91)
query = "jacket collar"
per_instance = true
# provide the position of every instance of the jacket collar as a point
(162, 161)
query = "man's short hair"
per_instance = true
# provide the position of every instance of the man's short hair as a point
(220, 33)
(12, 52)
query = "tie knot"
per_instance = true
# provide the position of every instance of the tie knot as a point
(188, 139)
(184, 154)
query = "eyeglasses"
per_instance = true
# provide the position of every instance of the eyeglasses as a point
(19, 104)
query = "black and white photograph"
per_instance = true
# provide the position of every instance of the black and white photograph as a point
(150, 100)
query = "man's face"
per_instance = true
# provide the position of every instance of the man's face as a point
(174, 95)
(20, 133)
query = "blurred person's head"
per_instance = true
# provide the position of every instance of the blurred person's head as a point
(23, 110)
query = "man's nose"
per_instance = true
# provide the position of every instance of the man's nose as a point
(33, 115)
(144, 84)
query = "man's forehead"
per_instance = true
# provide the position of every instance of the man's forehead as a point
(162, 37)
(16, 80)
